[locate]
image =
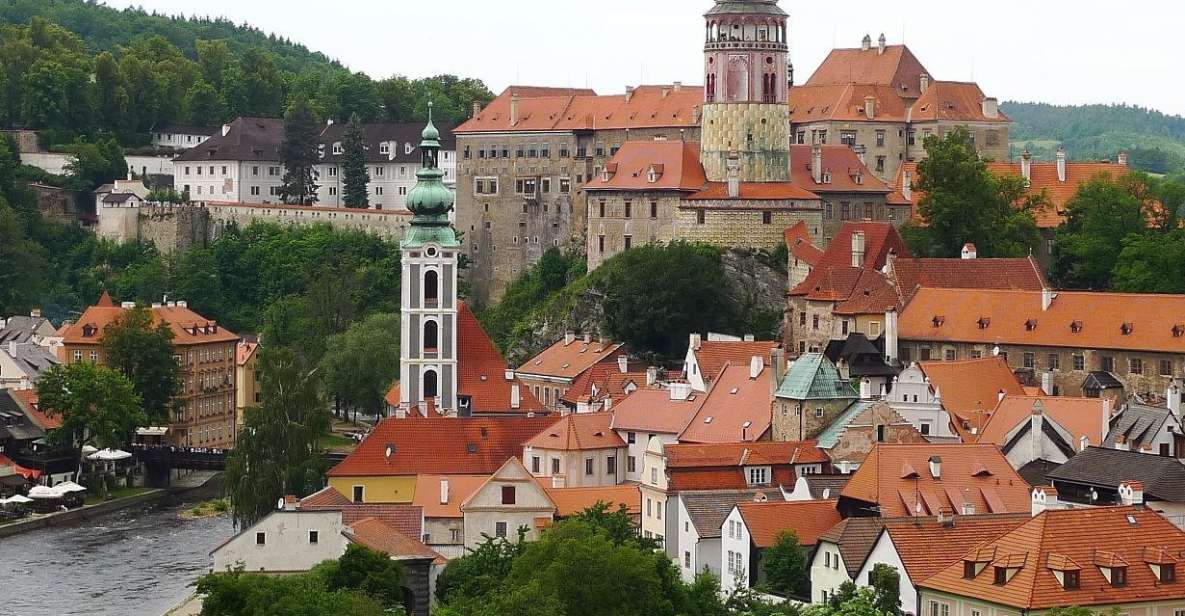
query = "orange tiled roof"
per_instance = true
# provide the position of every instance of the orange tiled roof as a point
(651, 106)
(571, 501)
(438, 445)
(1082, 320)
(808, 520)
(244, 351)
(842, 163)
(869, 293)
(713, 355)
(736, 408)
(846, 103)
(481, 371)
(327, 497)
(652, 410)
(676, 165)
(744, 454)
(1076, 535)
(181, 320)
(953, 101)
(460, 488)
(908, 274)
(880, 238)
(569, 360)
(973, 384)
(43, 420)
(798, 241)
(896, 68)
(605, 380)
(579, 432)
(927, 546)
(382, 537)
(897, 479)
(753, 191)
(1079, 416)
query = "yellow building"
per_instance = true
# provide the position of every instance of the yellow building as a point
(250, 387)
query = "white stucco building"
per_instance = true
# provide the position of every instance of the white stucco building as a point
(511, 499)
(180, 137)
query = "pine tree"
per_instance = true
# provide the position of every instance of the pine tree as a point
(354, 175)
(298, 152)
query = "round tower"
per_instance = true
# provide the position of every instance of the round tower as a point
(746, 108)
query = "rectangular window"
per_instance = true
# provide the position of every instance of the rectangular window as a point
(555, 466)
(949, 355)
(358, 494)
(508, 495)
(314, 536)
(880, 138)
(565, 185)
(847, 137)
(1166, 367)
(686, 559)
(1055, 361)
(260, 538)
(767, 218)
(588, 466)
(1108, 363)
(629, 209)
(1119, 576)
(628, 242)
(1135, 366)
(500, 529)
(631, 464)
(1080, 362)
(611, 465)
(631, 437)
(536, 464)
(654, 209)
(1030, 360)
(758, 475)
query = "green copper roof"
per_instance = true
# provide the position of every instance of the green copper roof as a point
(829, 437)
(430, 200)
(814, 377)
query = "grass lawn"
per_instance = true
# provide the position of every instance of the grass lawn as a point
(336, 442)
(94, 499)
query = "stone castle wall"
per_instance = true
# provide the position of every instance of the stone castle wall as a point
(388, 224)
(174, 227)
(738, 226)
(759, 132)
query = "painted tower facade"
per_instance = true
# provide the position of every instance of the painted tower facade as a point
(428, 353)
(746, 108)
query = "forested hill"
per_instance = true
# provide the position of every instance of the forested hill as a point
(1155, 141)
(103, 28)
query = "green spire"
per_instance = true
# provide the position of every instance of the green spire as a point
(430, 200)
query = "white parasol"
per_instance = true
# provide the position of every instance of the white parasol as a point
(69, 486)
(109, 455)
(44, 492)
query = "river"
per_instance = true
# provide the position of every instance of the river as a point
(133, 562)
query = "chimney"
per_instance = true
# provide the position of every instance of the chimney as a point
(444, 490)
(756, 365)
(35, 313)
(1036, 419)
(870, 107)
(514, 108)
(817, 163)
(1047, 297)
(558, 481)
(678, 86)
(515, 396)
(907, 186)
(1061, 165)
(865, 389)
(569, 337)
(936, 467)
(476, 108)
(225, 129)
(1026, 166)
(1047, 382)
(1173, 399)
(1106, 418)
(857, 249)
(291, 503)
(651, 376)
(777, 361)
(1044, 499)
(1083, 443)
(866, 44)
(1131, 493)
(680, 391)
(881, 44)
(696, 339)
(734, 175)
(1000, 395)
(1123, 158)
(969, 252)
(623, 363)
(991, 108)
(629, 93)
(587, 337)
(891, 336)
(925, 83)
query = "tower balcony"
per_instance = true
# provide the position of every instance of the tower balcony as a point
(746, 46)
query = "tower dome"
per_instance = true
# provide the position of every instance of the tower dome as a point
(430, 200)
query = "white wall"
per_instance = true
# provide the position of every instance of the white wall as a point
(287, 546)
(637, 450)
(152, 165)
(573, 465)
(177, 141)
(734, 539)
(653, 482)
(687, 544)
(912, 397)
(885, 552)
(827, 578)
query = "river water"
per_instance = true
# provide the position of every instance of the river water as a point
(133, 562)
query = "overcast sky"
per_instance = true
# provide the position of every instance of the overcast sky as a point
(1057, 51)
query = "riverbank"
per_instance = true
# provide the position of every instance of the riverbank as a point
(190, 607)
(151, 496)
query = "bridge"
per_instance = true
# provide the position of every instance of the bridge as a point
(159, 460)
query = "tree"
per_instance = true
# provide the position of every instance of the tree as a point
(368, 571)
(237, 593)
(861, 603)
(111, 93)
(1102, 214)
(203, 104)
(478, 573)
(355, 178)
(22, 276)
(886, 585)
(616, 524)
(299, 153)
(965, 203)
(93, 164)
(276, 451)
(143, 353)
(1153, 262)
(361, 363)
(786, 567)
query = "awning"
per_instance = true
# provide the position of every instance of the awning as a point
(18, 499)
(27, 473)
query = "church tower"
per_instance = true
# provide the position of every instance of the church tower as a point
(746, 96)
(428, 353)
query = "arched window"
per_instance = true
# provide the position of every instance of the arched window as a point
(711, 88)
(431, 335)
(431, 287)
(431, 386)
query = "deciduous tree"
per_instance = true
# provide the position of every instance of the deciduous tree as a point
(143, 352)
(361, 364)
(786, 566)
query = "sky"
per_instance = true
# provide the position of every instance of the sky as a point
(1055, 51)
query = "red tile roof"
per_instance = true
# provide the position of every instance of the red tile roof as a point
(846, 103)
(380, 536)
(578, 432)
(1080, 320)
(736, 408)
(568, 360)
(441, 445)
(842, 163)
(807, 519)
(653, 410)
(953, 101)
(605, 380)
(896, 68)
(926, 546)
(870, 292)
(652, 106)
(798, 241)
(460, 488)
(676, 164)
(683, 456)
(971, 385)
(907, 274)
(754, 191)
(28, 400)
(1075, 536)
(244, 351)
(407, 519)
(834, 278)
(713, 355)
(326, 498)
(571, 501)
(481, 371)
(1079, 416)
(896, 478)
(181, 320)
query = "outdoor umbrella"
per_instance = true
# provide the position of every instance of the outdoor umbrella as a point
(44, 492)
(69, 486)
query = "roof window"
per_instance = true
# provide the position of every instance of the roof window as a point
(938, 320)
(1075, 327)
(1127, 328)
(1030, 325)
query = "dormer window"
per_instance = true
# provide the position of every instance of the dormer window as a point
(1112, 566)
(1178, 331)
(408, 147)
(984, 322)
(338, 149)
(1119, 576)
(938, 320)
(1075, 327)
(384, 148)
(1071, 580)
(757, 475)
(1001, 576)
(826, 177)
(1030, 325)
(1168, 573)
(1127, 328)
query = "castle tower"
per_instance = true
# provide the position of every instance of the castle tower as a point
(428, 354)
(746, 108)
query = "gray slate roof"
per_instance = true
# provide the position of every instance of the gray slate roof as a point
(1163, 477)
(375, 134)
(709, 508)
(855, 538)
(831, 484)
(22, 328)
(32, 359)
(1139, 424)
(18, 427)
